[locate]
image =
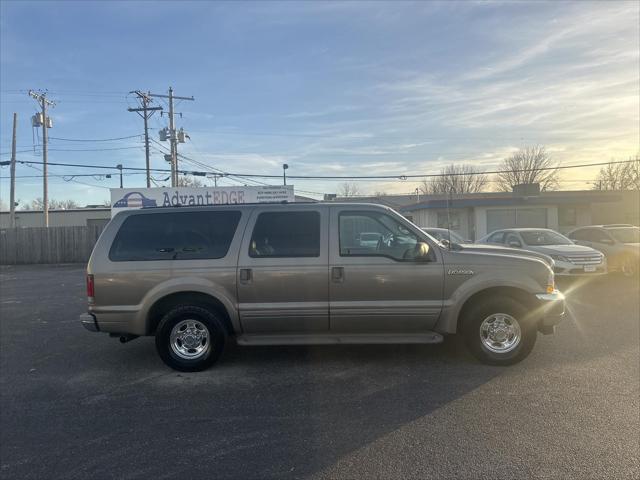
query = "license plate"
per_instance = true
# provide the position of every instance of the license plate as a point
(589, 268)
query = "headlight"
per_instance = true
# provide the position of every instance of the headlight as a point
(559, 258)
(551, 282)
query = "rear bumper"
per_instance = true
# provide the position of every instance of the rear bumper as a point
(552, 307)
(88, 321)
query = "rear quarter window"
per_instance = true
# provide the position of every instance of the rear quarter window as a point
(175, 236)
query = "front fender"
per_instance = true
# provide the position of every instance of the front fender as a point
(460, 292)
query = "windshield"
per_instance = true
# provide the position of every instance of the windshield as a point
(444, 235)
(626, 234)
(544, 237)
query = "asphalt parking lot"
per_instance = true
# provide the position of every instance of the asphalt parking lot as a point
(78, 405)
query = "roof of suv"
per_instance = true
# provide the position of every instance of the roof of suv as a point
(607, 226)
(267, 205)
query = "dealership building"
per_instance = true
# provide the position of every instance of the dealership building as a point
(475, 215)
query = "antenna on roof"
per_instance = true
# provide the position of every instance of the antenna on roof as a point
(450, 193)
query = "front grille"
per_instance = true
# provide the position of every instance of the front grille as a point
(587, 259)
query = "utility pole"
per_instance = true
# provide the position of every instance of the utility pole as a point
(12, 194)
(147, 111)
(45, 121)
(173, 137)
(119, 167)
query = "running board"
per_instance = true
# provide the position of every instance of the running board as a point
(339, 339)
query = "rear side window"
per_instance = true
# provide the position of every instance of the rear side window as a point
(175, 236)
(497, 237)
(580, 235)
(286, 234)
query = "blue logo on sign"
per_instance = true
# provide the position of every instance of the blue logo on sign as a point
(135, 200)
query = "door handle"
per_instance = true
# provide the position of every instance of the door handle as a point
(337, 274)
(245, 275)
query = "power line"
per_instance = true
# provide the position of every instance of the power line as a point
(96, 139)
(78, 149)
(19, 151)
(332, 177)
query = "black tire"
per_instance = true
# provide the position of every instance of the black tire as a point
(205, 320)
(477, 313)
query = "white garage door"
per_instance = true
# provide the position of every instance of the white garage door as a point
(516, 217)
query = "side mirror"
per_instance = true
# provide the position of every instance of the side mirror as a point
(514, 244)
(422, 252)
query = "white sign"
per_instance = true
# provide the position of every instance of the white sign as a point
(130, 198)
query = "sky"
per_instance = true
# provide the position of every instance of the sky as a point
(330, 88)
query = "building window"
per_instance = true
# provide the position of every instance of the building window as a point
(531, 217)
(567, 216)
(449, 220)
(516, 217)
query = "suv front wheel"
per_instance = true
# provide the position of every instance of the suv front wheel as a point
(498, 332)
(190, 338)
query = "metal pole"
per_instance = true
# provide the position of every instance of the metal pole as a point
(45, 189)
(119, 167)
(172, 133)
(145, 112)
(172, 139)
(12, 194)
(146, 142)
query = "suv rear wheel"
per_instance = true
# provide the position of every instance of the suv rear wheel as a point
(498, 332)
(190, 338)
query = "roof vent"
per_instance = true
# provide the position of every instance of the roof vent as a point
(526, 189)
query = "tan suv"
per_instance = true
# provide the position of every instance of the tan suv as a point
(291, 274)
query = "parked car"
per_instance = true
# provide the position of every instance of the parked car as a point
(620, 244)
(285, 274)
(446, 235)
(569, 258)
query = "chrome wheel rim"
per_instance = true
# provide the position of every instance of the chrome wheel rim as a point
(500, 333)
(190, 339)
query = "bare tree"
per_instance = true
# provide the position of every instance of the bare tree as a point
(37, 204)
(349, 189)
(190, 182)
(64, 204)
(619, 176)
(455, 179)
(528, 165)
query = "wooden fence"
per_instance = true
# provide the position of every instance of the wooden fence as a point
(47, 245)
